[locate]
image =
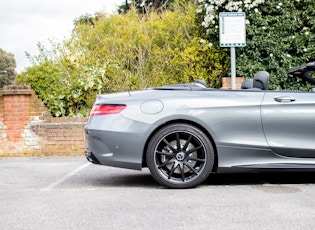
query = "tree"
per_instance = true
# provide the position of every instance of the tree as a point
(112, 53)
(7, 68)
(280, 36)
(146, 5)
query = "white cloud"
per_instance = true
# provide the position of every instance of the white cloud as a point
(25, 23)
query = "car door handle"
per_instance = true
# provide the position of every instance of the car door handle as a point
(285, 99)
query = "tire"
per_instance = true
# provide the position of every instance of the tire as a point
(180, 156)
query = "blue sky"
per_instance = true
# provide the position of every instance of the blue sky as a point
(25, 23)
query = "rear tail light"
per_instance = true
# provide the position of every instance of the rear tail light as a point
(99, 110)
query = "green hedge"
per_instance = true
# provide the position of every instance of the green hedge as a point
(280, 36)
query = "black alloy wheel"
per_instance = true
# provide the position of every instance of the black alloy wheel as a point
(180, 156)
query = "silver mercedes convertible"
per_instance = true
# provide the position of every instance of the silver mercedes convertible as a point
(184, 132)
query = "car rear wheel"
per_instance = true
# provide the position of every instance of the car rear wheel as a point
(180, 156)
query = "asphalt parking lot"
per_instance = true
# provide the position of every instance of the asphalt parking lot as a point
(70, 193)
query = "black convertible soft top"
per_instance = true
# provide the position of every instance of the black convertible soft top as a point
(196, 86)
(189, 87)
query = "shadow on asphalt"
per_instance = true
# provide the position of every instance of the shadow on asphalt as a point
(128, 180)
(146, 181)
(261, 178)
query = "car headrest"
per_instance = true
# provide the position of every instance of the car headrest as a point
(261, 80)
(247, 84)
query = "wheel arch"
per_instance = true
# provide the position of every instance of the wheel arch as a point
(184, 121)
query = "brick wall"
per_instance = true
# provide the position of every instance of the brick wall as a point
(28, 129)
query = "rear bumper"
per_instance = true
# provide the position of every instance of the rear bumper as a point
(116, 141)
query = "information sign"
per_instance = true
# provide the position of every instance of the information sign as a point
(232, 29)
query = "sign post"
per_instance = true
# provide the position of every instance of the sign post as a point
(232, 34)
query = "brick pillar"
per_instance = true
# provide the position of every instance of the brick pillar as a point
(16, 115)
(226, 82)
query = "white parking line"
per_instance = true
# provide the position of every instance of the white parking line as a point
(65, 177)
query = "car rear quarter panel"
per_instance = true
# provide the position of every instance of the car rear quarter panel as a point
(232, 118)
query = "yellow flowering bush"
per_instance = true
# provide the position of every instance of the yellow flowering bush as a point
(111, 53)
